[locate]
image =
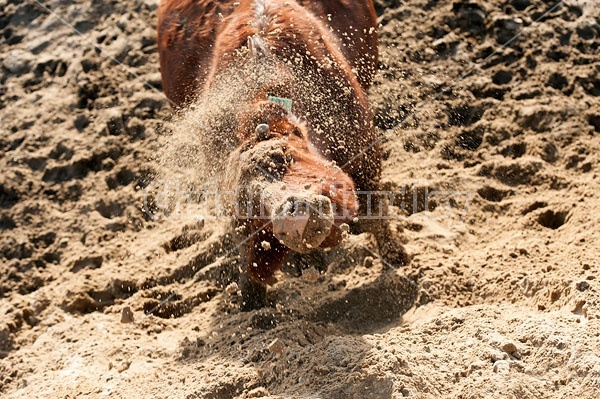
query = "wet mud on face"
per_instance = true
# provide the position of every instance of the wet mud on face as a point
(494, 176)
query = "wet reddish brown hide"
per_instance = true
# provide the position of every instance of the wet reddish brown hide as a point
(334, 44)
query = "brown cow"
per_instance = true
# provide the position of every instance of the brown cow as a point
(302, 123)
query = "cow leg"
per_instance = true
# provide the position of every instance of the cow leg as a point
(391, 248)
(254, 295)
(262, 257)
(297, 263)
(375, 219)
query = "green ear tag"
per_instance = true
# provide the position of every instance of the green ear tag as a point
(285, 102)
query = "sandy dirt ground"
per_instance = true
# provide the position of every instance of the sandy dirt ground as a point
(493, 151)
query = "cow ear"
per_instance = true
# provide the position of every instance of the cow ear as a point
(262, 131)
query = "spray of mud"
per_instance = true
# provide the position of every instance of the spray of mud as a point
(195, 158)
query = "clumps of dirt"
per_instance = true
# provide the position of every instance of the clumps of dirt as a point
(201, 137)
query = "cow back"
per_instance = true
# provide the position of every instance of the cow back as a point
(188, 29)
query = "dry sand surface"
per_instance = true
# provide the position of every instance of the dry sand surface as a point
(501, 298)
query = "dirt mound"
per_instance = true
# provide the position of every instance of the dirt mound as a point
(491, 112)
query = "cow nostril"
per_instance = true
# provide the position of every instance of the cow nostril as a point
(290, 208)
(303, 223)
(293, 206)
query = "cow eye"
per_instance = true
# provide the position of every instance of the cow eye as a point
(262, 131)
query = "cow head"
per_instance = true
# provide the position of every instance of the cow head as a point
(284, 185)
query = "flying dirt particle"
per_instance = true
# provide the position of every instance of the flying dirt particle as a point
(124, 366)
(266, 245)
(232, 289)
(344, 227)
(523, 251)
(127, 315)
(509, 348)
(276, 346)
(368, 262)
(582, 285)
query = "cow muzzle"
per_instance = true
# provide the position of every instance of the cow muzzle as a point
(303, 222)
